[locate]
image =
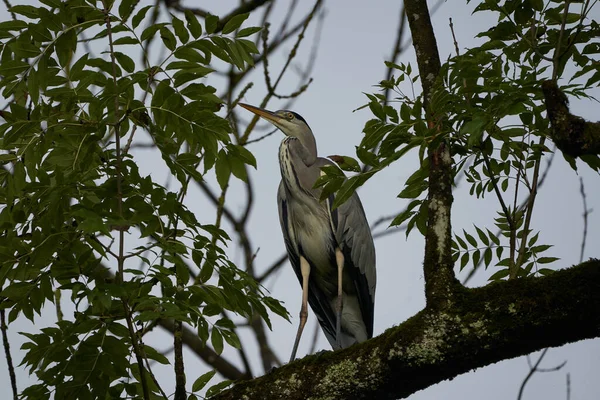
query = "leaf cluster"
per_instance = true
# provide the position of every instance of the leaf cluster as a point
(69, 193)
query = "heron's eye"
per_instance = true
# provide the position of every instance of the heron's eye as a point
(289, 116)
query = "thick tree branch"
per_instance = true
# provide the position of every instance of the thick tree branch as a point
(438, 267)
(485, 325)
(571, 134)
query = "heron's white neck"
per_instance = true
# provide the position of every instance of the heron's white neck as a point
(297, 165)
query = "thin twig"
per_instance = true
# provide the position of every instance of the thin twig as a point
(586, 212)
(8, 7)
(529, 210)
(9, 362)
(258, 139)
(535, 368)
(519, 208)
(274, 267)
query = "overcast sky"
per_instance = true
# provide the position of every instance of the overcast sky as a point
(356, 40)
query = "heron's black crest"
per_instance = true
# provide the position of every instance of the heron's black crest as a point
(298, 116)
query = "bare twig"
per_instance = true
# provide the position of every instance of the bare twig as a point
(9, 362)
(8, 7)
(274, 267)
(535, 368)
(586, 212)
(266, 135)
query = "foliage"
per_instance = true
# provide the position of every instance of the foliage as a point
(489, 109)
(77, 213)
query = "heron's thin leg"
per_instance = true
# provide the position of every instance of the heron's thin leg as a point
(339, 258)
(305, 270)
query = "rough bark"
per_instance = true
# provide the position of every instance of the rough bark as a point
(440, 282)
(485, 325)
(572, 134)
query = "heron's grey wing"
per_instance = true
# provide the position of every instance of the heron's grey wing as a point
(353, 235)
(318, 302)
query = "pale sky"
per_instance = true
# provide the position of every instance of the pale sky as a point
(356, 40)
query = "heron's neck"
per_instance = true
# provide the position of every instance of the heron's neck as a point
(297, 165)
(306, 148)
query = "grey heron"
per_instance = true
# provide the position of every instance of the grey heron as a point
(331, 251)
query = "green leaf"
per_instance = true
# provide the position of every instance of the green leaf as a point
(152, 354)
(545, 271)
(232, 339)
(27, 11)
(244, 154)
(12, 25)
(547, 260)
(348, 188)
(538, 5)
(493, 237)
(150, 31)
(210, 23)
(125, 40)
(180, 30)
(222, 169)
(139, 16)
(202, 380)
(218, 388)
(168, 38)
(125, 61)
(476, 256)
(487, 257)
(482, 236)
(65, 47)
(126, 8)
(234, 23)
(248, 31)
(193, 24)
(216, 339)
(461, 242)
(346, 163)
(464, 260)
(6, 158)
(503, 273)
(470, 239)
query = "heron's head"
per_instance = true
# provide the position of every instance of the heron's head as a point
(289, 122)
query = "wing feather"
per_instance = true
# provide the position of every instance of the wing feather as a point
(354, 238)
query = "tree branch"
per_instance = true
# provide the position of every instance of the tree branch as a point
(438, 267)
(485, 325)
(573, 135)
(9, 362)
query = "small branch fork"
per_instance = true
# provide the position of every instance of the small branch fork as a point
(536, 368)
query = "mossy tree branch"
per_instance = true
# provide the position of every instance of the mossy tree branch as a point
(485, 325)
(572, 134)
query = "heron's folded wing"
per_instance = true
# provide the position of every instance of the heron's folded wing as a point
(354, 238)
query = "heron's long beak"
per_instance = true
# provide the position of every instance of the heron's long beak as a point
(261, 112)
